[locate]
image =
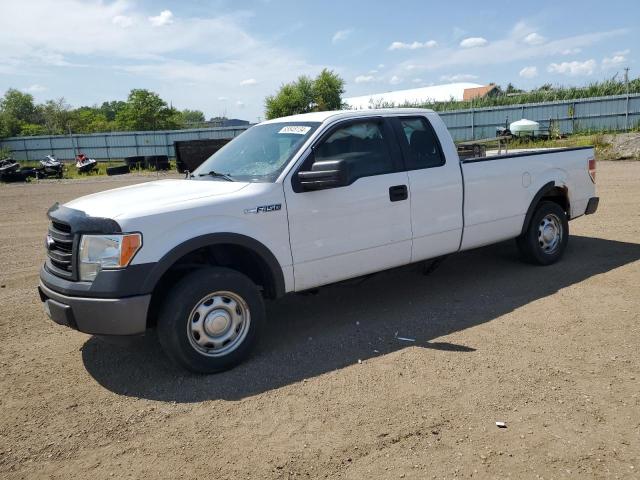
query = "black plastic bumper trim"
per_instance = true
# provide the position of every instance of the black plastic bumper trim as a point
(127, 282)
(592, 205)
(99, 316)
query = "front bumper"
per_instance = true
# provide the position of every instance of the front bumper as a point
(98, 316)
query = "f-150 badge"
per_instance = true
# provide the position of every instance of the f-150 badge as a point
(264, 208)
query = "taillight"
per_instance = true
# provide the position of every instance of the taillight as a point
(592, 169)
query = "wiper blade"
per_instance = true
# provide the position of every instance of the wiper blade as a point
(225, 176)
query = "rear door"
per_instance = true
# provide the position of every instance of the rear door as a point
(435, 185)
(364, 227)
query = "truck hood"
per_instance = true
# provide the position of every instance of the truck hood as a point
(150, 196)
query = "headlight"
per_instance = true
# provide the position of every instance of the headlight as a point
(99, 252)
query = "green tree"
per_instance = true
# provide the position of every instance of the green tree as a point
(16, 109)
(90, 120)
(111, 109)
(18, 104)
(328, 88)
(192, 116)
(55, 116)
(306, 95)
(145, 110)
(31, 129)
(9, 125)
(511, 89)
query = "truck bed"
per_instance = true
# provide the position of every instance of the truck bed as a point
(499, 189)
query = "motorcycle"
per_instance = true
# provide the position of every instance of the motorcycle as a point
(85, 164)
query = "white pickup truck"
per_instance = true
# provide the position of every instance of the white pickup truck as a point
(290, 205)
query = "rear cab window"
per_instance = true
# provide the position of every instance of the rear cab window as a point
(420, 145)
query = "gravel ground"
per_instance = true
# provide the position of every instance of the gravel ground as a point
(331, 391)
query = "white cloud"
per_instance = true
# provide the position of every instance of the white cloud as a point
(571, 51)
(395, 80)
(501, 51)
(574, 68)
(364, 78)
(35, 88)
(458, 77)
(380, 66)
(123, 21)
(534, 39)
(248, 81)
(165, 18)
(223, 99)
(412, 46)
(614, 62)
(240, 103)
(473, 42)
(145, 55)
(341, 35)
(529, 72)
(417, 80)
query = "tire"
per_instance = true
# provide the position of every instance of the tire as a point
(546, 237)
(117, 170)
(183, 331)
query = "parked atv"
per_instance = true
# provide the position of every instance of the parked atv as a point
(85, 164)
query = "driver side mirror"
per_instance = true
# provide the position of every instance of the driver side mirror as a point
(325, 174)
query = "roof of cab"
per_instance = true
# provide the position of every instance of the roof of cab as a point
(341, 114)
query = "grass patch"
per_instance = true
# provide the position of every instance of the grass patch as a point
(595, 140)
(71, 172)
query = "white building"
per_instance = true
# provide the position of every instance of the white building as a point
(435, 93)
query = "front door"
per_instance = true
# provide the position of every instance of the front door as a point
(364, 227)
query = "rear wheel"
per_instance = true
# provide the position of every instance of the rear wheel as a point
(211, 320)
(546, 237)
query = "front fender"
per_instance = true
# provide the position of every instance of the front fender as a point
(170, 258)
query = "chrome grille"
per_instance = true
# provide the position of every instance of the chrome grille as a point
(60, 249)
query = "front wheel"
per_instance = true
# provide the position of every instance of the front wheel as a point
(546, 237)
(210, 321)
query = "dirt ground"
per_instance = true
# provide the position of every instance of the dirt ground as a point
(331, 392)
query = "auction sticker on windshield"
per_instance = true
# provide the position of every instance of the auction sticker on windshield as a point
(296, 129)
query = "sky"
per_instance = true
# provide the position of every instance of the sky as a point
(223, 57)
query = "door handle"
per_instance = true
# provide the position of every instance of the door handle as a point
(398, 192)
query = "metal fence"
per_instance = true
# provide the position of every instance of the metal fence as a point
(107, 146)
(612, 113)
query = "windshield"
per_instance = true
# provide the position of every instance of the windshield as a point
(259, 154)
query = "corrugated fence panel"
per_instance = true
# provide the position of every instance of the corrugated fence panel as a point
(106, 146)
(611, 113)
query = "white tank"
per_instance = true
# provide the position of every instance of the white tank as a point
(524, 127)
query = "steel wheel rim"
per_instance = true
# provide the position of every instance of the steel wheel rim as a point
(218, 324)
(550, 233)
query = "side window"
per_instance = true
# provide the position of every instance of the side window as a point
(423, 148)
(362, 145)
